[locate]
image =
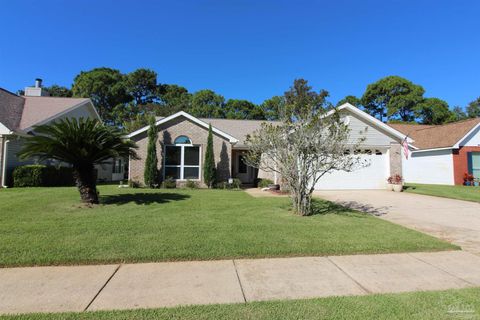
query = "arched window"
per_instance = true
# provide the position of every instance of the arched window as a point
(183, 140)
(182, 160)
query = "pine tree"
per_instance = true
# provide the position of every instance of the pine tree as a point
(150, 174)
(209, 174)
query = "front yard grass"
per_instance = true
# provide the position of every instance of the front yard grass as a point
(450, 304)
(48, 226)
(454, 192)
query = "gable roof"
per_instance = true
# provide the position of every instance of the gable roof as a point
(438, 136)
(20, 113)
(189, 117)
(240, 129)
(50, 107)
(11, 108)
(372, 120)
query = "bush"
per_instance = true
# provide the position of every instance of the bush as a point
(263, 183)
(191, 184)
(169, 183)
(42, 176)
(236, 183)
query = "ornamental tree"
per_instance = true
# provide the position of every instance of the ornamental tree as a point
(209, 170)
(82, 143)
(306, 144)
(150, 175)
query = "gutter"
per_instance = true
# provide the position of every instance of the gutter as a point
(4, 159)
(433, 149)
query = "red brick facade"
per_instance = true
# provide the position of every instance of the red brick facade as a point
(460, 162)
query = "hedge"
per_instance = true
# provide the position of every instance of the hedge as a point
(42, 176)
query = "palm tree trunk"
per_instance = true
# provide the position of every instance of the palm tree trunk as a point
(86, 184)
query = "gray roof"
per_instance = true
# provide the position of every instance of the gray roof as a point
(11, 109)
(239, 129)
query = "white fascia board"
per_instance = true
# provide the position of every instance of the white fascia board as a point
(457, 145)
(369, 118)
(4, 130)
(190, 117)
(432, 149)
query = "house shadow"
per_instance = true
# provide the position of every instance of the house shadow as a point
(142, 198)
(347, 208)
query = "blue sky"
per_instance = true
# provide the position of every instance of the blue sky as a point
(245, 48)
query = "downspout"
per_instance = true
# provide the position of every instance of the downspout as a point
(4, 159)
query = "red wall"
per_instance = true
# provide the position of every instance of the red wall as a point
(460, 162)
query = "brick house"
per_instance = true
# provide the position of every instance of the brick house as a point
(442, 154)
(182, 140)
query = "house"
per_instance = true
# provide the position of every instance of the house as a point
(182, 140)
(18, 116)
(442, 154)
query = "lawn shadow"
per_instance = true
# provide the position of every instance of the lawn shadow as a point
(348, 208)
(142, 198)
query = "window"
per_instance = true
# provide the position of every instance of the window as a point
(117, 166)
(475, 164)
(183, 140)
(182, 160)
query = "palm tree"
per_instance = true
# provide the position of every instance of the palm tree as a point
(81, 143)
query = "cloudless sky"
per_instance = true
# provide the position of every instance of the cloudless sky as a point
(248, 49)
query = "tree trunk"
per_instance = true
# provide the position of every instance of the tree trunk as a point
(86, 184)
(302, 203)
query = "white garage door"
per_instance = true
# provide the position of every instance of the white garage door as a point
(370, 177)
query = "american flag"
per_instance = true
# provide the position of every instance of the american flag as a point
(405, 147)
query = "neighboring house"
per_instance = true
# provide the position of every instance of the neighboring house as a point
(182, 141)
(18, 116)
(442, 154)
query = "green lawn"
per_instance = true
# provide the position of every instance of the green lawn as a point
(451, 304)
(454, 192)
(48, 226)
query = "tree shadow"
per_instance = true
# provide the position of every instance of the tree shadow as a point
(346, 208)
(142, 198)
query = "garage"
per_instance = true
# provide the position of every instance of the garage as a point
(372, 176)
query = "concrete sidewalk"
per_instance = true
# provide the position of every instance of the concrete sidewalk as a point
(151, 285)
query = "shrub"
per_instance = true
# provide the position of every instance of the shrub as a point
(236, 183)
(169, 183)
(42, 176)
(263, 183)
(191, 184)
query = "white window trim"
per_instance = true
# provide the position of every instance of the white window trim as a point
(182, 165)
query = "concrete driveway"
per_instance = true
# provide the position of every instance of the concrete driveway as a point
(453, 220)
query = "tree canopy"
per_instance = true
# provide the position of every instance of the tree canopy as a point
(473, 108)
(105, 86)
(392, 97)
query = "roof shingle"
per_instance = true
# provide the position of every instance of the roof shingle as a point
(436, 136)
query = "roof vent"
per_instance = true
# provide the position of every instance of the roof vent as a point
(38, 83)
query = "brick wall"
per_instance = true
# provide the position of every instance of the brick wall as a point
(167, 133)
(395, 159)
(460, 162)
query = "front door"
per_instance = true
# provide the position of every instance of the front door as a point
(244, 172)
